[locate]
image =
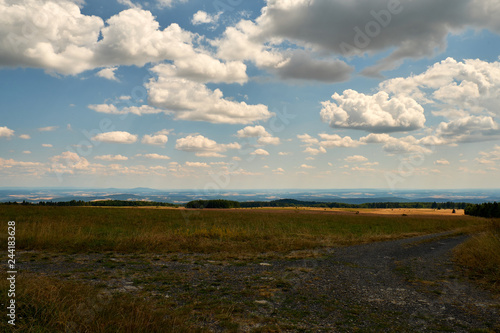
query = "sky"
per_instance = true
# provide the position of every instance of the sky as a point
(233, 94)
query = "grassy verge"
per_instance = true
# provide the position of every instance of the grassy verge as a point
(480, 256)
(51, 305)
(83, 229)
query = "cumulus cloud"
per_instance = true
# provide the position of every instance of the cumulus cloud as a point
(158, 139)
(264, 138)
(268, 140)
(111, 158)
(22, 136)
(197, 164)
(137, 110)
(64, 40)
(360, 27)
(355, 159)
(245, 42)
(191, 100)
(489, 157)
(154, 156)
(305, 166)
(6, 132)
(260, 152)
(458, 88)
(68, 162)
(307, 139)
(315, 151)
(392, 145)
(204, 147)
(47, 145)
(202, 68)
(201, 17)
(373, 113)
(115, 137)
(442, 162)
(334, 141)
(279, 171)
(108, 73)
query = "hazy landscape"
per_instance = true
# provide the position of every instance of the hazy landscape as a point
(250, 166)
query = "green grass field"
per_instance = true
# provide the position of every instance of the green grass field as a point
(84, 229)
(49, 304)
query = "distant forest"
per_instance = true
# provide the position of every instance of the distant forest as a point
(105, 203)
(484, 210)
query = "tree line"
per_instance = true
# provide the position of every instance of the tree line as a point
(220, 203)
(393, 205)
(98, 203)
(488, 209)
(213, 204)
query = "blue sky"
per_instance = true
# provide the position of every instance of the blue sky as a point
(232, 94)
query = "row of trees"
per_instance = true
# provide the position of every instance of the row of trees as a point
(213, 204)
(116, 203)
(484, 210)
(298, 203)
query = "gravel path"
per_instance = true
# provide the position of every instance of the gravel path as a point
(405, 285)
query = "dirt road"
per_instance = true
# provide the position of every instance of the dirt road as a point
(405, 285)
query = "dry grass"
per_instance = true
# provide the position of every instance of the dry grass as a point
(51, 305)
(480, 256)
(83, 229)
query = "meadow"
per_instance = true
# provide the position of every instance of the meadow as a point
(84, 229)
(54, 303)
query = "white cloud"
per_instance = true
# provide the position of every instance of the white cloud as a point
(111, 158)
(282, 153)
(65, 41)
(202, 68)
(355, 159)
(203, 146)
(68, 162)
(252, 132)
(137, 110)
(23, 136)
(47, 145)
(442, 162)
(264, 138)
(108, 73)
(269, 140)
(307, 139)
(279, 171)
(6, 132)
(26, 152)
(305, 166)
(392, 145)
(115, 137)
(201, 17)
(194, 101)
(373, 113)
(244, 42)
(154, 156)
(314, 151)
(197, 164)
(334, 141)
(260, 152)
(48, 128)
(159, 138)
(490, 157)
